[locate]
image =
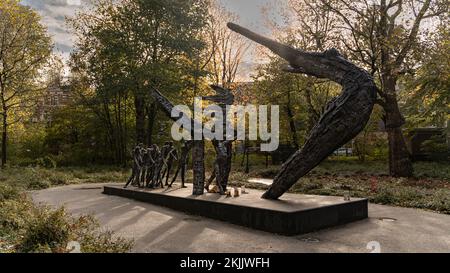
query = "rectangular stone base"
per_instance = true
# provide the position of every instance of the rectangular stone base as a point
(293, 214)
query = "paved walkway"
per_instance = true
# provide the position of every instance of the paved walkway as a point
(158, 229)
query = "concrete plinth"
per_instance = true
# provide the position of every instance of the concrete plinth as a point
(291, 215)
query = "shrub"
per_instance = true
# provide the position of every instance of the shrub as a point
(25, 227)
(384, 196)
(58, 179)
(28, 178)
(8, 192)
(46, 162)
(270, 172)
(38, 184)
(49, 230)
(307, 185)
(14, 215)
(439, 201)
(52, 230)
(86, 230)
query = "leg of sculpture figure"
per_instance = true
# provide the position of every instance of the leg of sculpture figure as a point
(149, 179)
(163, 174)
(159, 172)
(184, 162)
(169, 167)
(223, 164)
(227, 168)
(160, 176)
(219, 177)
(129, 179)
(142, 178)
(183, 172)
(136, 177)
(210, 179)
(155, 176)
(161, 181)
(175, 176)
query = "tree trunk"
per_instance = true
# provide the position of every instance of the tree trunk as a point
(152, 111)
(313, 116)
(222, 165)
(399, 159)
(360, 147)
(247, 163)
(139, 105)
(244, 153)
(4, 138)
(400, 164)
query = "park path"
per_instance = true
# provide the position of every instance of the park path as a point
(158, 229)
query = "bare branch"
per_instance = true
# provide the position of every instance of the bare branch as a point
(413, 34)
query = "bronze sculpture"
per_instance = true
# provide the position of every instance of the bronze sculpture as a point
(223, 148)
(197, 145)
(170, 157)
(136, 169)
(345, 116)
(158, 167)
(223, 97)
(186, 146)
(154, 154)
(146, 163)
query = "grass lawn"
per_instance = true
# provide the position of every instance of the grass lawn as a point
(428, 189)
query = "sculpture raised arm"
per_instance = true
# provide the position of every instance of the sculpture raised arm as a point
(345, 116)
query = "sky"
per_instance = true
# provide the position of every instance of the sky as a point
(249, 12)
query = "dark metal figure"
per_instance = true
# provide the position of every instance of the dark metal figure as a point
(186, 146)
(345, 117)
(222, 165)
(147, 163)
(172, 155)
(154, 153)
(156, 177)
(136, 169)
(162, 164)
(223, 148)
(198, 152)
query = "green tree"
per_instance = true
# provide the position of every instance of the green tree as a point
(124, 46)
(302, 100)
(25, 48)
(383, 36)
(427, 91)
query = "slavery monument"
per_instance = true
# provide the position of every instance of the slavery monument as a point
(345, 117)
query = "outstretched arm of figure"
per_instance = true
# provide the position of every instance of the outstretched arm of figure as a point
(329, 64)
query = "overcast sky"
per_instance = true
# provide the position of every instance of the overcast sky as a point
(53, 12)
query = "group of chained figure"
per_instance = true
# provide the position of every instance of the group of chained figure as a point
(152, 165)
